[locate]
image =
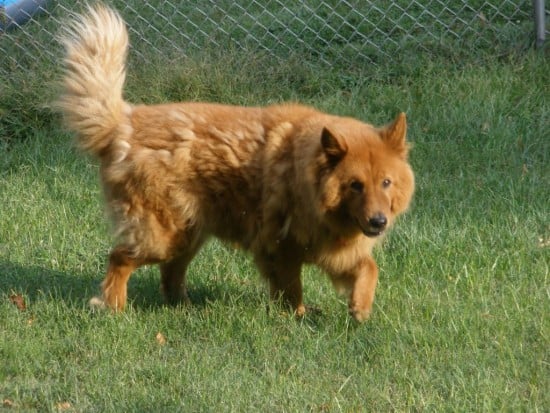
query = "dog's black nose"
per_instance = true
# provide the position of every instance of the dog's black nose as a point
(378, 221)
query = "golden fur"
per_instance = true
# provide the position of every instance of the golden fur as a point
(288, 183)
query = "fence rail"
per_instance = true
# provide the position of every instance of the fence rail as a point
(331, 32)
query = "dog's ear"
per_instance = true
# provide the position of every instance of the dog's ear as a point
(334, 148)
(395, 135)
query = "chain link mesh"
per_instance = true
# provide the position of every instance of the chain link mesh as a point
(331, 32)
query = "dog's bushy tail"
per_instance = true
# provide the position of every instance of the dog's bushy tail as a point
(96, 45)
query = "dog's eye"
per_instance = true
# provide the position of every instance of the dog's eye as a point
(386, 183)
(357, 186)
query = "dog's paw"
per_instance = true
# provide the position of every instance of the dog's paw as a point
(300, 311)
(97, 303)
(360, 315)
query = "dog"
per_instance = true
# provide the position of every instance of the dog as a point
(286, 182)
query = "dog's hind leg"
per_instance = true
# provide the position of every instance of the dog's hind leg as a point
(172, 285)
(121, 265)
(173, 270)
(173, 275)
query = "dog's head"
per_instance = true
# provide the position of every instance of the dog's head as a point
(365, 179)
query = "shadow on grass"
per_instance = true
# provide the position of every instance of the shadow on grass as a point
(37, 283)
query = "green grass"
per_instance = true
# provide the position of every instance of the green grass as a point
(461, 315)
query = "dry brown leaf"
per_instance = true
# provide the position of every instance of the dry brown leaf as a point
(161, 339)
(18, 301)
(8, 403)
(63, 406)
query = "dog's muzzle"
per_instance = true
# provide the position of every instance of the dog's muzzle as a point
(375, 225)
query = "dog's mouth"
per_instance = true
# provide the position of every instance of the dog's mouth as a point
(371, 233)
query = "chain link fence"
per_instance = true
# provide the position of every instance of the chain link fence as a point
(337, 33)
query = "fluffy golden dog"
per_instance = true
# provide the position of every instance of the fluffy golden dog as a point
(288, 183)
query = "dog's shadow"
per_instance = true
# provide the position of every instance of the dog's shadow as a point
(36, 283)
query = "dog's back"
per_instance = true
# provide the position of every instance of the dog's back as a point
(165, 167)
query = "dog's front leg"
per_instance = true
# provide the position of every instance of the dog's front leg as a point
(283, 274)
(364, 280)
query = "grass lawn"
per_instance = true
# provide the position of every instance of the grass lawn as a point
(461, 318)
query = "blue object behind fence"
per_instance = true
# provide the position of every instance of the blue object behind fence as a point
(17, 12)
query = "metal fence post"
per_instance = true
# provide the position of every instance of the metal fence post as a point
(540, 17)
